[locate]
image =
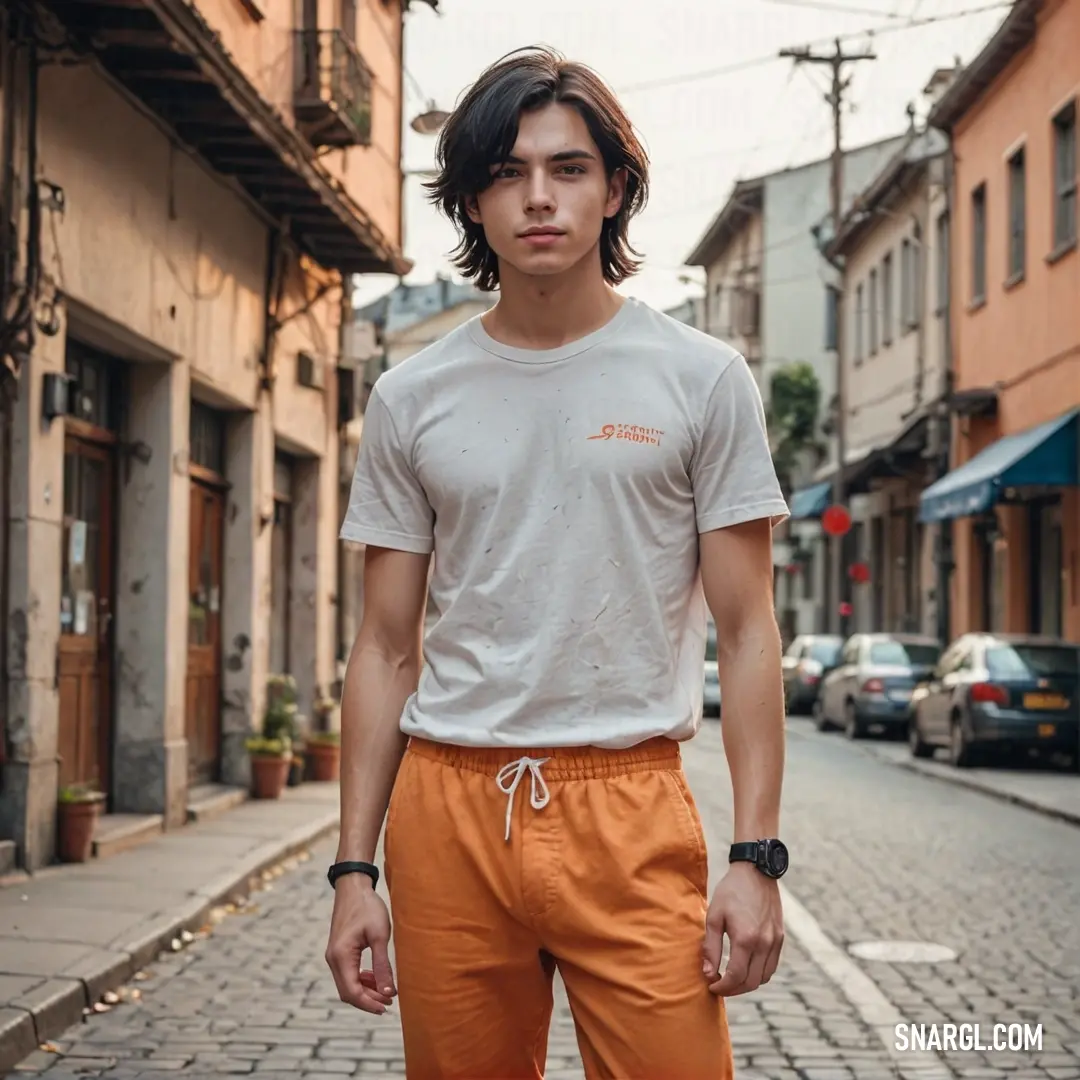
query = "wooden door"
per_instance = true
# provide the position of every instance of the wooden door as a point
(84, 660)
(203, 707)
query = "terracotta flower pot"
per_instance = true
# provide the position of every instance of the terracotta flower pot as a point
(325, 761)
(75, 834)
(269, 774)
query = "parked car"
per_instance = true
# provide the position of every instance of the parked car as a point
(711, 706)
(1002, 692)
(806, 662)
(873, 682)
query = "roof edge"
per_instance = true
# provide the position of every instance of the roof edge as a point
(1016, 31)
(755, 185)
(902, 165)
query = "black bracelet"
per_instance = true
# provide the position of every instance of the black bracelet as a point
(342, 868)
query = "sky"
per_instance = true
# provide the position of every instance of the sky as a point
(705, 88)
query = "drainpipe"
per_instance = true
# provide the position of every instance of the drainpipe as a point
(920, 310)
(9, 238)
(944, 561)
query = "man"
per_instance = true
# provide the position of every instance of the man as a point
(588, 473)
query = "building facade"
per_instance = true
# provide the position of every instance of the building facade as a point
(765, 278)
(384, 333)
(1012, 500)
(193, 188)
(894, 252)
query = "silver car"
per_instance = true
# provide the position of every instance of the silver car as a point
(809, 658)
(872, 684)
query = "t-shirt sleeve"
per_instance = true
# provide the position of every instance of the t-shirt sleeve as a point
(732, 471)
(387, 504)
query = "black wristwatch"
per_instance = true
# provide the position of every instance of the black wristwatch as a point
(769, 856)
(340, 869)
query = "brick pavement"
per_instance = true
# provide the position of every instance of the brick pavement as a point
(994, 881)
(882, 853)
(253, 996)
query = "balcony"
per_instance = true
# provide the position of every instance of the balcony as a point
(332, 102)
(163, 53)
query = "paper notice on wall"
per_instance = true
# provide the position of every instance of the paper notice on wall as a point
(77, 549)
(215, 599)
(84, 602)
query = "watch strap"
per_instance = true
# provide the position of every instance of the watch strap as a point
(747, 851)
(342, 868)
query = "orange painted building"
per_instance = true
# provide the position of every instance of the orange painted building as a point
(1012, 494)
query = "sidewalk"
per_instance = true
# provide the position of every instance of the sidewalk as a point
(71, 933)
(1052, 792)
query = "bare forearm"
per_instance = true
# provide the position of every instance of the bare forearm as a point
(753, 726)
(376, 688)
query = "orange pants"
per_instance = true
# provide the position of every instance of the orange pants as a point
(593, 862)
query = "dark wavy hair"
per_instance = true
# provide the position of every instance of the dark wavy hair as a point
(481, 133)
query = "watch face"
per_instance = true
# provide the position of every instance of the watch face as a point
(777, 858)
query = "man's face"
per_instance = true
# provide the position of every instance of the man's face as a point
(545, 208)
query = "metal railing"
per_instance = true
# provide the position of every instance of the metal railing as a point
(330, 71)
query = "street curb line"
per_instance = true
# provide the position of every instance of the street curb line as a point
(51, 1016)
(960, 780)
(874, 1008)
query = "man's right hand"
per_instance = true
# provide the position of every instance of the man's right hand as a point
(360, 922)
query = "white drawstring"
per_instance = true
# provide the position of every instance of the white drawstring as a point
(510, 776)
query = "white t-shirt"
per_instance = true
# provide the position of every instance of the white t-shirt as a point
(562, 492)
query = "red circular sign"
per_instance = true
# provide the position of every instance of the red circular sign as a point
(859, 573)
(836, 521)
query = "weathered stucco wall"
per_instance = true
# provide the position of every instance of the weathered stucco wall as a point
(264, 51)
(164, 268)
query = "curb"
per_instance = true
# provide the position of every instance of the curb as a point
(1071, 817)
(59, 1003)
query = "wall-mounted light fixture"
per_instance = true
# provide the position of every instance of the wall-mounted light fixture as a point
(55, 395)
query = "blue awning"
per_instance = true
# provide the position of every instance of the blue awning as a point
(810, 502)
(1043, 456)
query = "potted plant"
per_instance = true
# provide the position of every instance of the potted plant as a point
(324, 754)
(271, 751)
(270, 761)
(78, 808)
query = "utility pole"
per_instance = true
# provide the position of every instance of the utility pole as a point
(836, 61)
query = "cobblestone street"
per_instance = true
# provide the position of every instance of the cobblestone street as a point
(877, 852)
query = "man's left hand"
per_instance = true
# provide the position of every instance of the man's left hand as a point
(746, 907)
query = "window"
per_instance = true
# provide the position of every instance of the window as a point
(886, 299)
(942, 253)
(1017, 230)
(978, 244)
(873, 313)
(905, 283)
(1006, 661)
(904, 654)
(909, 286)
(1065, 177)
(826, 651)
(859, 324)
(832, 301)
(207, 437)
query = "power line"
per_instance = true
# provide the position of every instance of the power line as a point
(839, 9)
(855, 35)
